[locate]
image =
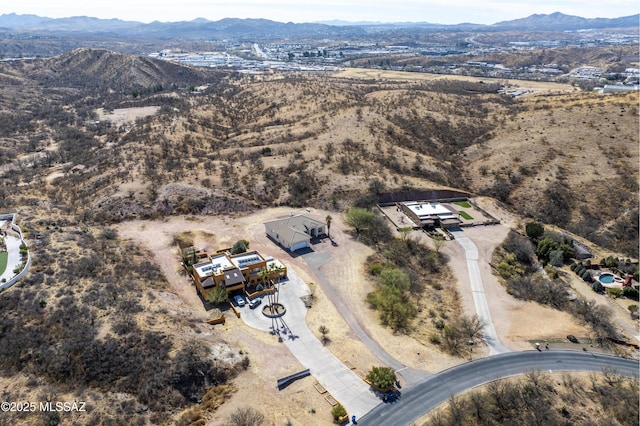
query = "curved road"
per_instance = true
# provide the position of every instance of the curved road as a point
(315, 261)
(428, 394)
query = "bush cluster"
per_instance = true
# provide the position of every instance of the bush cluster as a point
(535, 399)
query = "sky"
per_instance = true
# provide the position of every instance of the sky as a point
(432, 11)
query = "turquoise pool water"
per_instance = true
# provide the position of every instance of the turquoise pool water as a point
(606, 279)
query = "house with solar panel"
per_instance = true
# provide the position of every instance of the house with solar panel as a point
(234, 272)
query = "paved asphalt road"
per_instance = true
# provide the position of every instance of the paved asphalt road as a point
(316, 260)
(428, 394)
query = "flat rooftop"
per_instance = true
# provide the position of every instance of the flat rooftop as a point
(217, 264)
(429, 209)
(246, 259)
(275, 262)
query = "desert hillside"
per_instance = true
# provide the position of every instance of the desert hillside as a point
(236, 143)
(91, 139)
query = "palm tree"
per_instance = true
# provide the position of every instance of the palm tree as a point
(328, 219)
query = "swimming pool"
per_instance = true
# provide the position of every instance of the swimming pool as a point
(606, 278)
(609, 278)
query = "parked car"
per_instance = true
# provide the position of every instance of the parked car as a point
(239, 300)
(255, 303)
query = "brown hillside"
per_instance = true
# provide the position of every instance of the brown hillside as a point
(322, 140)
(570, 160)
(96, 318)
(104, 69)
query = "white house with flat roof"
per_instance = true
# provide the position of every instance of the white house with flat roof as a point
(430, 214)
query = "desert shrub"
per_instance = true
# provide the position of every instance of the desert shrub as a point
(394, 277)
(375, 269)
(150, 272)
(556, 257)
(510, 268)
(246, 416)
(337, 412)
(615, 292)
(395, 307)
(378, 232)
(521, 248)
(192, 369)
(551, 271)
(557, 204)
(544, 249)
(218, 294)
(539, 289)
(87, 266)
(109, 234)
(598, 317)
(302, 187)
(382, 377)
(631, 293)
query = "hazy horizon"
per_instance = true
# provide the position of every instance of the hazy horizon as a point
(432, 11)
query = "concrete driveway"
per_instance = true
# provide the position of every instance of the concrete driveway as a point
(14, 259)
(479, 297)
(341, 382)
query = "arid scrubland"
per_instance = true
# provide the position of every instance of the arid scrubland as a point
(85, 323)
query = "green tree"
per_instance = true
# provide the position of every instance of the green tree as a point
(395, 277)
(471, 327)
(328, 219)
(382, 377)
(359, 218)
(217, 295)
(396, 309)
(544, 249)
(240, 246)
(534, 230)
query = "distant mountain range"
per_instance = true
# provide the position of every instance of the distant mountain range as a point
(261, 28)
